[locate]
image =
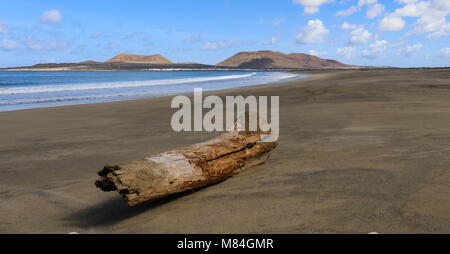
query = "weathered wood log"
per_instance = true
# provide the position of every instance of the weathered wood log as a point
(185, 169)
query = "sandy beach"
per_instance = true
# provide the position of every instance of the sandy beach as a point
(359, 151)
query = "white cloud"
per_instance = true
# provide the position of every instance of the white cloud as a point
(317, 53)
(311, 6)
(444, 52)
(217, 45)
(366, 2)
(435, 26)
(391, 23)
(8, 44)
(428, 24)
(441, 31)
(348, 12)
(224, 44)
(3, 28)
(348, 26)
(411, 10)
(346, 52)
(375, 11)
(444, 4)
(431, 16)
(37, 44)
(397, 43)
(210, 46)
(375, 49)
(410, 50)
(360, 36)
(406, 1)
(51, 17)
(314, 32)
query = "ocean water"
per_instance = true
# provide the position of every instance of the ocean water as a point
(32, 89)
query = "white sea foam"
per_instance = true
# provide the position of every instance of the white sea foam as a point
(60, 99)
(113, 85)
(108, 91)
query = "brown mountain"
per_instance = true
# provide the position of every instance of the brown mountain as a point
(275, 59)
(130, 58)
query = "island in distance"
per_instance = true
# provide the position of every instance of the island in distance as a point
(131, 58)
(277, 60)
(264, 60)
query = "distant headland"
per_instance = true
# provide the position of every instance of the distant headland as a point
(259, 60)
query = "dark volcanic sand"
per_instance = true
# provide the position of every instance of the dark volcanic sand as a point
(359, 151)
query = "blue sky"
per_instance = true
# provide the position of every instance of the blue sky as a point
(374, 32)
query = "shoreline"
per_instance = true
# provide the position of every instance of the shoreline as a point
(152, 69)
(359, 151)
(362, 68)
(299, 76)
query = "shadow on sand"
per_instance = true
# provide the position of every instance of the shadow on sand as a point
(115, 210)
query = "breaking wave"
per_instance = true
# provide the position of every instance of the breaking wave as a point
(113, 85)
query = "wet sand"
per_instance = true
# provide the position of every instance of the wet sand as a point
(359, 151)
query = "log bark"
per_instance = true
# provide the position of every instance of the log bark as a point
(185, 169)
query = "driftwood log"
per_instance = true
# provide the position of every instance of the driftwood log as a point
(185, 169)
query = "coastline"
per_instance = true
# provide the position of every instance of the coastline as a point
(107, 100)
(359, 151)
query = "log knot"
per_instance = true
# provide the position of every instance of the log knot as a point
(108, 169)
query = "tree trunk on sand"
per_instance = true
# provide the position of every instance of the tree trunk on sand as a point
(185, 169)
